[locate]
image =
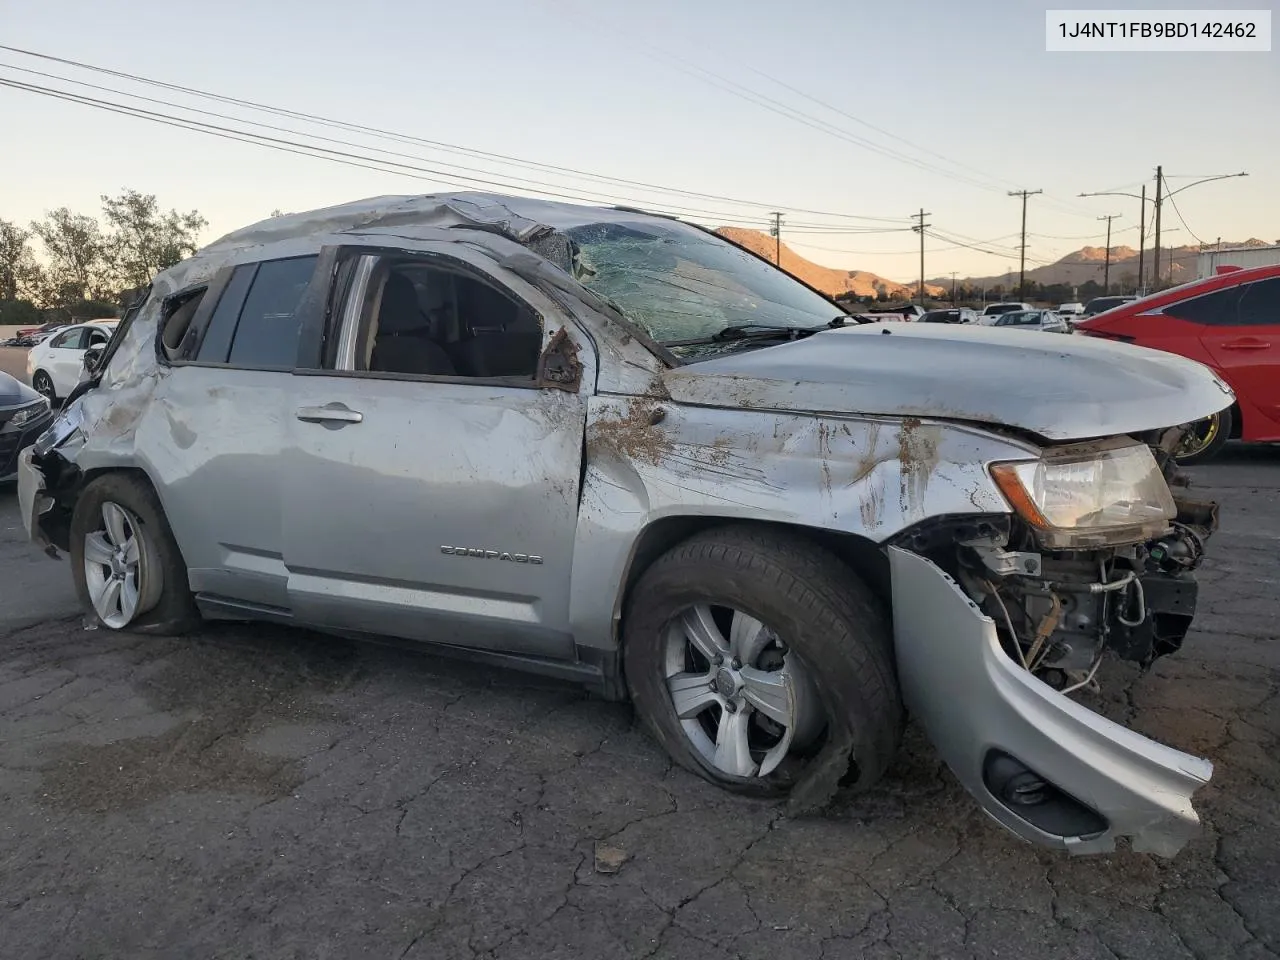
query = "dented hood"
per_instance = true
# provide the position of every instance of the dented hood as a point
(1055, 386)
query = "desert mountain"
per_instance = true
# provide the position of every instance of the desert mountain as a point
(830, 281)
(1088, 263)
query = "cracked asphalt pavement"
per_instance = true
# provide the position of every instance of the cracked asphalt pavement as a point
(255, 792)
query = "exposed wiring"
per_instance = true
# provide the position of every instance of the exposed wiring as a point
(1008, 622)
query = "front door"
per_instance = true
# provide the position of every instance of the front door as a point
(431, 485)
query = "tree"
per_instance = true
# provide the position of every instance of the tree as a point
(19, 272)
(19, 313)
(76, 252)
(143, 240)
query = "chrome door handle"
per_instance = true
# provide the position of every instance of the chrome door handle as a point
(1246, 344)
(330, 413)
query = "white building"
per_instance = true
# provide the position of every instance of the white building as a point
(1211, 260)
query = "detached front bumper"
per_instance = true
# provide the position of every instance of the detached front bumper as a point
(32, 499)
(1047, 768)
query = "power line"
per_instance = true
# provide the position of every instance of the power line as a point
(779, 107)
(1005, 255)
(449, 178)
(896, 253)
(1181, 219)
(392, 135)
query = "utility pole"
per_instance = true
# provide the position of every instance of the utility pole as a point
(1142, 239)
(1106, 270)
(1022, 269)
(776, 230)
(1155, 259)
(953, 288)
(920, 229)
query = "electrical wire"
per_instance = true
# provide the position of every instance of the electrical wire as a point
(392, 135)
(895, 253)
(774, 105)
(435, 175)
(1181, 219)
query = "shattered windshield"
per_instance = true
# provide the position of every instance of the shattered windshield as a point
(679, 283)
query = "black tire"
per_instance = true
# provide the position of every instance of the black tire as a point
(42, 384)
(1225, 425)
(174, 611)
(827, 616)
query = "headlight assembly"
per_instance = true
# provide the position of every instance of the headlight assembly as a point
(1089, 495)
(30, 413)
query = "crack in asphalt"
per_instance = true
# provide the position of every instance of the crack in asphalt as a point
(319, 797)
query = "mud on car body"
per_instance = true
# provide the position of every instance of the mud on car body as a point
(614, 447)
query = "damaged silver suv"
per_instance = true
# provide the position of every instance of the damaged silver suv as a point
(614, 447)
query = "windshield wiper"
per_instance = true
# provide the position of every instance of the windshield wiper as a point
(756, 331)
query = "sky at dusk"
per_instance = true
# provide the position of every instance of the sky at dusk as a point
(830, 112)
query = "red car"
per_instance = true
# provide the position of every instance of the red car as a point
(1229, 322)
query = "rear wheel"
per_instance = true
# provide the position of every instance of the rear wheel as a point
(127, 567)
(1205, 438)
(42, 384)
(756, 658)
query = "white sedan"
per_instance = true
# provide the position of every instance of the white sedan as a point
(54, 366)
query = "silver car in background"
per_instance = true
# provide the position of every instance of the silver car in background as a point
(616, 448)
(1045, 321)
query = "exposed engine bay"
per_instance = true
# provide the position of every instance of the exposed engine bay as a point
(1058, 611)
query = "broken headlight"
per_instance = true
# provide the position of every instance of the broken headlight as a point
(1090, 494)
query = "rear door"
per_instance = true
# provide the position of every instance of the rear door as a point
(1245, 345)
(432, 474)
(216, 443)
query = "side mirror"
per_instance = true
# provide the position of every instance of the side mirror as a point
(91, 358)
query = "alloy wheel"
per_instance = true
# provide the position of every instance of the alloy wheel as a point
(743, 698)
(42, 385)
(1199, 437)
(118, 567)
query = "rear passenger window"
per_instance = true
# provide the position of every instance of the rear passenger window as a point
(256, 321)
(1260, 304)
(1213, 309)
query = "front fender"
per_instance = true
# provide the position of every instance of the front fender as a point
(649, 460)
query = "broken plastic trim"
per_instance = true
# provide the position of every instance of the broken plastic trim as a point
(558, 366)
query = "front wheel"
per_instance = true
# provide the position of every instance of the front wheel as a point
(127, 567)
(760, 662)
(1205, 438)
(42, 384)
